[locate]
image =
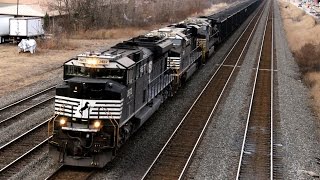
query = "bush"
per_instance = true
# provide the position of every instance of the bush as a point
(308, 58)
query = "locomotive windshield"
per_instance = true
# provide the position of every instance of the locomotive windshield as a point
(103, 73)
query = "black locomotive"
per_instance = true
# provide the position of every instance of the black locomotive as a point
(108, 95)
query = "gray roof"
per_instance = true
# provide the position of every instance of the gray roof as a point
(23, 10)
(125, 62)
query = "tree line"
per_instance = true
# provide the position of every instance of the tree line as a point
(97, 14)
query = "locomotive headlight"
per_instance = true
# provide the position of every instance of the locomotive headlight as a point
(63, 122)
(97, 124)
(92, 61)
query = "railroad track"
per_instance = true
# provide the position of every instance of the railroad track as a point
(11, 113)
(177, 152)
(256, 158)
(16, 153)
(67, 173)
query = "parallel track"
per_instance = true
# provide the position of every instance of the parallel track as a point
(256, 159)
(176, 154)
(11, 113)
(13, 153)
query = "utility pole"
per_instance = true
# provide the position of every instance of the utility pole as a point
(17, 7)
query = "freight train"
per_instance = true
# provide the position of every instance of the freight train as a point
(107, 95)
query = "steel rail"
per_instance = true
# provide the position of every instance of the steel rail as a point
(220, 66)
(251, 100)
(24, 134)
(25, 154)
(271, 89)
(28, 97)
(25, 110)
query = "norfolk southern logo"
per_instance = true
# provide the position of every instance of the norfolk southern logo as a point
(84, 108)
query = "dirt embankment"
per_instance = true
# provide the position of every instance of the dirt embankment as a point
(303, 35)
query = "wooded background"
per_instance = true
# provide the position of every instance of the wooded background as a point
(97, 14)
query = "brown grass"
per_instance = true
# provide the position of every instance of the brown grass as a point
(308, 58)
(301, 29)
(113, 33)
(60, 42)
(312, 79)
(65, 42)
(304, 41)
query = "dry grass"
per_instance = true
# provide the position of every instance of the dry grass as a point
(113, 33)
(301, 29)
(313, 80)
(56, 44)
(65, 42)
(304, 41)
(308, 58)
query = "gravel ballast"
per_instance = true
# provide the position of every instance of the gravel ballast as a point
(299, 127)
(137, 154)
(218, 154)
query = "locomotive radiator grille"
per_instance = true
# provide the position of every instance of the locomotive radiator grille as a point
(174, 62)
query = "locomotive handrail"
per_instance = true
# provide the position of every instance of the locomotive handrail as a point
(116, 126)
(52, 119)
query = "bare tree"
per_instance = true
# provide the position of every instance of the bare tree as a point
(97, 14)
